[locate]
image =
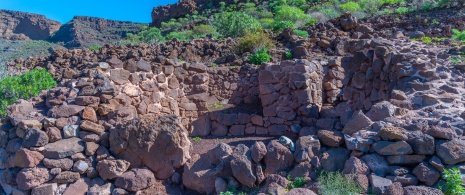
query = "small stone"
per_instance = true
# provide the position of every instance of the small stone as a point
(135, 179)
(91, 148)
(66, 177)
(109, 169)
(379, 185)
(80, 166)
(64, 164)
(330, 138)
(71, 131)
(46, 189)
(35, 138)
(358, 122)
(92, 127)
(393, 133)
(54, 134)
(99, 190)
(78, 187)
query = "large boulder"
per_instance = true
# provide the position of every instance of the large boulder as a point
(158, 142)
(278, 157)
(258, 151)
(241, 167)
(201, 171)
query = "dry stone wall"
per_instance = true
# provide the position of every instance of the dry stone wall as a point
(388, 113)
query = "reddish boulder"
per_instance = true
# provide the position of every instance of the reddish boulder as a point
(278, 158)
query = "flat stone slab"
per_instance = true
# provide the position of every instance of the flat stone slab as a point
(63, 148)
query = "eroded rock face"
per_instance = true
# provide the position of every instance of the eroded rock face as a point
(160, 143)
(24, 26)
(84, 31)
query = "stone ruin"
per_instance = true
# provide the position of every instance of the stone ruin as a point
(391, 113)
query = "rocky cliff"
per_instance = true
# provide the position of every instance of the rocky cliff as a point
(84, 31)
(23, 26)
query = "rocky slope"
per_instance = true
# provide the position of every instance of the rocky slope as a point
(22, 26)
(84, 31)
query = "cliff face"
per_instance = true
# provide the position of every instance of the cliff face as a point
(183, 7)
(84, 31)
(24, 26)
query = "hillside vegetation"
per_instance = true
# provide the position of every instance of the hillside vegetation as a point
(236, 20)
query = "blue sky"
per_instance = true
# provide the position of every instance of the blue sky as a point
(64, 10)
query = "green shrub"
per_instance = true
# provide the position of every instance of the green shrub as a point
(172, 25)
(280, 25)
(298, 182)
(427, 6)
(427, 40)
(335, 183)
(25, 86)
(392, 2)
(288, 13)
(350, 7)
(371, 6)
(385, 11)
(260, 56)
(458, 35)
(288, 55)
(401, 10)
(235, 24)
(226, 193)
(203, 30)
(3, 70)
(454, 185)
(150, 35)
(182, 35)
(253, 41)
(267, 23)
(331, 12)
(312, 21)
(301, 33)
(95, 47)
